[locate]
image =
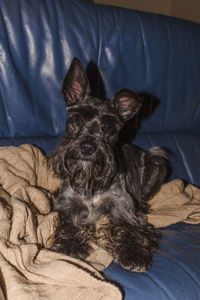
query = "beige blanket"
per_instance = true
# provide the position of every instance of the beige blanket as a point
(28, 270)
(175, 203)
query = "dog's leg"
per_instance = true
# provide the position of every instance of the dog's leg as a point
(127, 236)
(73, 235)
(131, 240)
(156, 169)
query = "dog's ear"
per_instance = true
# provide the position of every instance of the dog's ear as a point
(75, 84)
(127, 103)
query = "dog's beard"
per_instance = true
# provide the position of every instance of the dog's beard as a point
(85, 174)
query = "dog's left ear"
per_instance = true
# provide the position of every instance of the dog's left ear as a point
(127, 103)
(75, 84)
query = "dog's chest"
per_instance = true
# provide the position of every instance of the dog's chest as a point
(90, 201)
(69, 198)
(105, 199)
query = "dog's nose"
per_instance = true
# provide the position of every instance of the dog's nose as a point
(88, 148)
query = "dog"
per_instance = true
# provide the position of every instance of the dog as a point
(103, 177)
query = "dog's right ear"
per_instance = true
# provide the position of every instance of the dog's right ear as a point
(75, 84)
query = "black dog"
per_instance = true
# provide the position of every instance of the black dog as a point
(103, 177)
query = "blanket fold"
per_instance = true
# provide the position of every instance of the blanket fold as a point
(28, 269)
(175, 203)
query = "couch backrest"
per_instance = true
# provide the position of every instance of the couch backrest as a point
(148, 53)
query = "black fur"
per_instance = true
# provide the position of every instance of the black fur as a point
(103, 177)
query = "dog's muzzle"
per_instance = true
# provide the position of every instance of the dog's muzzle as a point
(88, 148)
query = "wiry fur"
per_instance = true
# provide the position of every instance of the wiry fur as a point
(103, 177)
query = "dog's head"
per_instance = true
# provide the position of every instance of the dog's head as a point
(93, 124)
(91, 121)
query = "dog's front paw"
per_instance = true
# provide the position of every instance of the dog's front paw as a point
(73, 248)
(78, 249)
(133, 247)
(73, 241)
(132, 259)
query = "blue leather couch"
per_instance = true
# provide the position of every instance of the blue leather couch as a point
(151, 54)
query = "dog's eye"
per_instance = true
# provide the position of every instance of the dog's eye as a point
(109, 125)
(77, 118)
